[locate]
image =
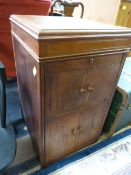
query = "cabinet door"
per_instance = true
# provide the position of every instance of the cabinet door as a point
(78, 88)
(68, 134)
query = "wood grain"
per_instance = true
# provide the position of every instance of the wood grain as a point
(29, 91)
(72, 132)
(63, 88)
(48, 43)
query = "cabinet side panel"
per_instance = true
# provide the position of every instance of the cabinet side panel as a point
(28, 71)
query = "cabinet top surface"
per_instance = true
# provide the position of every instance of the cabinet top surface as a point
(47, 25)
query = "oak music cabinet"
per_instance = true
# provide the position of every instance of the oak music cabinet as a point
(67, 71)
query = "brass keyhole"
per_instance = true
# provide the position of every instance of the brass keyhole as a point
(91, 60)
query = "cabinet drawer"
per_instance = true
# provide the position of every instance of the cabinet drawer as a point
(70, 90)
(70, 133)
(83, 63)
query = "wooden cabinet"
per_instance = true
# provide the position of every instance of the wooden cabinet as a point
(124, 14)
(67, 74)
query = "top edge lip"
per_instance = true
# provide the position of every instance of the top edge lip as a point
(39, 33)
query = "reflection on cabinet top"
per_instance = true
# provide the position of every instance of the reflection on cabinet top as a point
(43, 25)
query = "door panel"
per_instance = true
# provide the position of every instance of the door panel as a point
(70, 133)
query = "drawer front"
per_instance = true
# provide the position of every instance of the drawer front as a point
(70, 133)
(70, 90)
(83, 63)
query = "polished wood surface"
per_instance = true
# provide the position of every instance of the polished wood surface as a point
(41, 25)
(64, 86)
(43, 36)
(67, 78)
(29, 91)
(72, 132)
